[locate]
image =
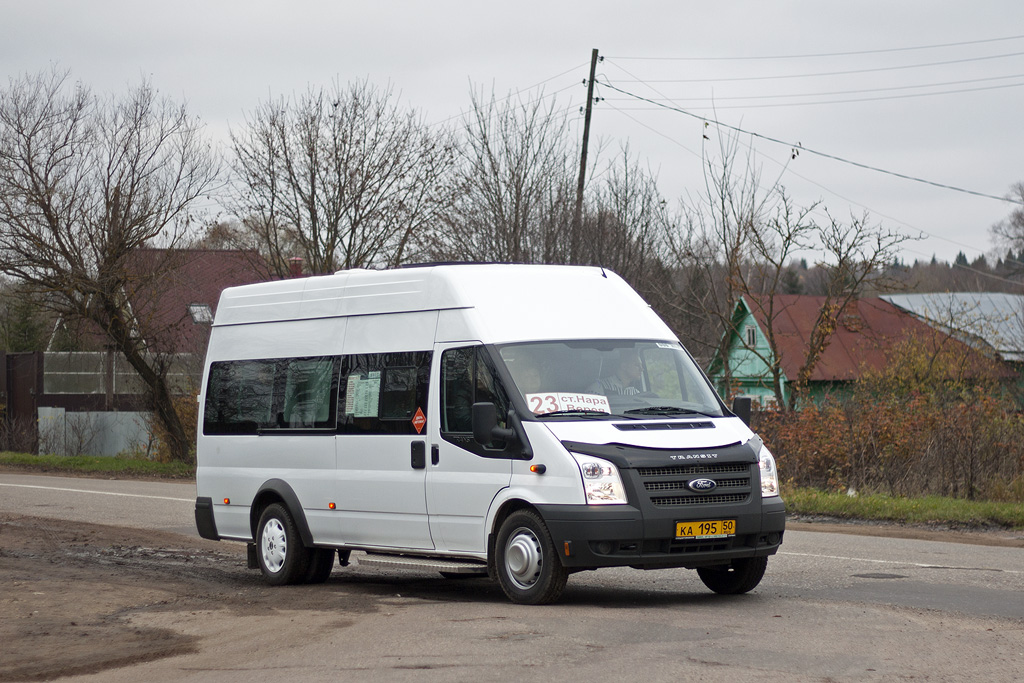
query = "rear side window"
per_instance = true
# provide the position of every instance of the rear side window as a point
(239, 397)
(252, 396)
(310, 393)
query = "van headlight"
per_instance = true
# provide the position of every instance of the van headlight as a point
(601, 482)
(769, 474)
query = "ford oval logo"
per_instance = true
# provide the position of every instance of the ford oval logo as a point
(702, 485)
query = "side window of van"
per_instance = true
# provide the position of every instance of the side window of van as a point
(467, 378)
(239, 397)
(310, 394)
(384, 393)
(253, 396)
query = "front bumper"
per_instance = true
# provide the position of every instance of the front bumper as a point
(590, 536)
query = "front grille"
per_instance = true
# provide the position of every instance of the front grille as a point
(668, 486)
(684, 470)
(699, 547)
(681, 485)
(714, 499)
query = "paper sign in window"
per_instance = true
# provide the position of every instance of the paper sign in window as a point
(362, 395)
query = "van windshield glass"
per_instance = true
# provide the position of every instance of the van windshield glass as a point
(619, 377)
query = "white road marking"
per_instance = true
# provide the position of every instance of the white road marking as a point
(899, 562)
(824, 557)
(102, 493)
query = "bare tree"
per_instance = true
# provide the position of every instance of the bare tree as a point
(340, 177)
(773, 244)
(856, 256)
(1010, 232)
(626, 219)
(709, 247)
(743, 238)
(85, 182)
(624, 223)
(515, 185)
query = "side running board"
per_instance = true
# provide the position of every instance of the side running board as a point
(467, 567)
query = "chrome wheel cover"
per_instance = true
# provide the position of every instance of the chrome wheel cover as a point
(524, 558)
(274, 545)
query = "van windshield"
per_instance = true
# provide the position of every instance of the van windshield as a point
(634, 378)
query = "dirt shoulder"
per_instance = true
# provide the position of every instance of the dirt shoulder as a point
(71, 594)
(69, 591)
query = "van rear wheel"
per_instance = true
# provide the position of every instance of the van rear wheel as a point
(321, 563)
(282, 557)
(742, 576)
(526, 562)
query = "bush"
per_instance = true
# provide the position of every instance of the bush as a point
(928, 423)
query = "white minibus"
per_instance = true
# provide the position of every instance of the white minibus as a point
(520, 421)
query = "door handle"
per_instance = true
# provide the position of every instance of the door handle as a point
(419, 455)
(435, 454)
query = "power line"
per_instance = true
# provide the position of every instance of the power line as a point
(824, 54)
(905, 224)
(798, 147)
(853, 100)
(785, 167)
(832, 73)
(828, 93)
(899, 221)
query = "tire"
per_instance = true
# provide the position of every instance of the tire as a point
(282, 557)
(321, 563)
(741, 577)
(526, 562)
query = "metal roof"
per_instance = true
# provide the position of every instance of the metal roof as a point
(993, 319)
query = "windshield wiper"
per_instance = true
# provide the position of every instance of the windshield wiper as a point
(583, 412)
(667, 410)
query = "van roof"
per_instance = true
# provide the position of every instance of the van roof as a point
(502, 298)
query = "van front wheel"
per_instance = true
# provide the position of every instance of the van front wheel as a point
(283, 559)
(526, 561)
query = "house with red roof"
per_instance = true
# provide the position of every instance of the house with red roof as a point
(174, 311)
(866, 332)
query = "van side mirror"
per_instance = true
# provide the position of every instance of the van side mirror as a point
(485, 425)
(741, 408)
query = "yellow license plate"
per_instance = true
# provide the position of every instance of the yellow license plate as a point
(716, 528)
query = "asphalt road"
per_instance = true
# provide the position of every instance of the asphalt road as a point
(164, 506)
(833, 606)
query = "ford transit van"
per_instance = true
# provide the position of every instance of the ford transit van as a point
(521, 421)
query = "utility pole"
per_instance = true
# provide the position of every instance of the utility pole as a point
(577, 216)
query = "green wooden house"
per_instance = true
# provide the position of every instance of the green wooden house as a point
(865, 331)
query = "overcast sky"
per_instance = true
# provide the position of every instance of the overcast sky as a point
(855, 80)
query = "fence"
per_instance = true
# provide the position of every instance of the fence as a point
(80, 402)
